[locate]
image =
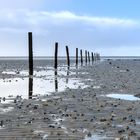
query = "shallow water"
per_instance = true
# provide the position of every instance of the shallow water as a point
(44, 82)
(123, 97)
(5, 110)
(45, 137)
(95, 137)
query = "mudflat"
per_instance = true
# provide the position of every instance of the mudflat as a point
(105, 107)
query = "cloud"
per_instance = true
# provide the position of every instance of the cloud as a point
(83, 31)
(92, 20)
(27, 19)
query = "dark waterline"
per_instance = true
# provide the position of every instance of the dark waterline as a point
(64, 57)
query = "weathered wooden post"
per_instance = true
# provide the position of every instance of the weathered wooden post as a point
(99, 57)
(92, 56)
(88, 57)
(30, 64)
(56, 55)
(68, 58)
(30, 53)
(81, 57)
(76, 56)
(68, 62)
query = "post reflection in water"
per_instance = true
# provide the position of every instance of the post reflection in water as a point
(67, 78)
(76, 71)
(30, 87)
(56, 80)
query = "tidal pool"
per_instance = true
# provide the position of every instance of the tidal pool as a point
(123, 96)
(44, 83)
(96, 137)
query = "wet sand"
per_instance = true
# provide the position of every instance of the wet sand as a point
(83, 113)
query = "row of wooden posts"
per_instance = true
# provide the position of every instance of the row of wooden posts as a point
(94, 57)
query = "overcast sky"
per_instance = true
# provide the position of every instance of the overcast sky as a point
(110, 27)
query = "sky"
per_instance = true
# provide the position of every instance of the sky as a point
(109, 27)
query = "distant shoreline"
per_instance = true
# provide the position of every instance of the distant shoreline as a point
(63, 57)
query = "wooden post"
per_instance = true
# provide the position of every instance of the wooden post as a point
(68, 58)
(88, 57)
(30, 65)
(76, 56)
(98, 56)
(30, 53)
(81, 57)
(55, 55)
(92, 57)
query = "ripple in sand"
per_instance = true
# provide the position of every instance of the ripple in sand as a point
(123, 97)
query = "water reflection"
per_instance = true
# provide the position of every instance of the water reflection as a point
(30, 86)
(45, 82)
(56, 80)
(67, 77)
(76, 71)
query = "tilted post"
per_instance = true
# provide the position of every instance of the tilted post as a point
(88, 57)
(68, 58)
